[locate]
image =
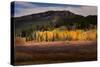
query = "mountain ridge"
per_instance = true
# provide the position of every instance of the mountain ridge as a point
(54, 19)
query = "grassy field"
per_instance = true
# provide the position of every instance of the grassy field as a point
(60, 52)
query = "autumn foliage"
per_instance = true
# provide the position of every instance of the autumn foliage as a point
(60, 35)
(57, 35)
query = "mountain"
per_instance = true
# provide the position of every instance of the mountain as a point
(45, 15)
(53, 19)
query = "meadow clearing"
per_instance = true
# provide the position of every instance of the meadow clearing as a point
(56, 47)
(55, 52)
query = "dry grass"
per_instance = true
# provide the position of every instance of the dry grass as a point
(54, 53)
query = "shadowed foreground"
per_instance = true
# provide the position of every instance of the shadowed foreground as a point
(63, 52)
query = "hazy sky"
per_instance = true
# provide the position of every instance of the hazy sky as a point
(26, 8)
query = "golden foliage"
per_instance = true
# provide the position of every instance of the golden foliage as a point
(58, 35)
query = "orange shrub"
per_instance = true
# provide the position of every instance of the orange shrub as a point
(20, 41)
